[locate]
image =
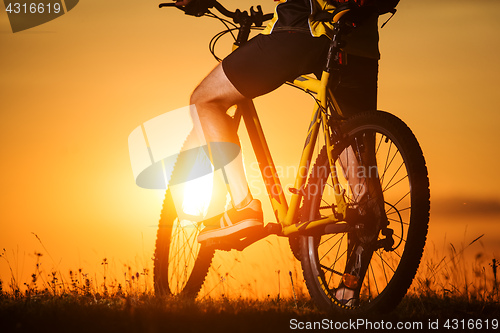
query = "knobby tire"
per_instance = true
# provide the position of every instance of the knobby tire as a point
(389, 273)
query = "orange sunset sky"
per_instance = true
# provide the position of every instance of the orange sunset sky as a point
(72, 90)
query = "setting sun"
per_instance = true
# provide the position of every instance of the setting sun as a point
(197, 195)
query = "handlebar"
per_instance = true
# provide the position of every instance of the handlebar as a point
(200, 7)
(256, 17)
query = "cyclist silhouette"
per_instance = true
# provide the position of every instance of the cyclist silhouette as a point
(358, 215)
(292, 44)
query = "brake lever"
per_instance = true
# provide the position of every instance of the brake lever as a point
(258, 16)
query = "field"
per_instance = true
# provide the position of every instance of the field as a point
(145, 313)
(451, 293)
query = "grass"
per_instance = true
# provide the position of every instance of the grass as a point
(453, 275)
(146, 313)
(446, 287)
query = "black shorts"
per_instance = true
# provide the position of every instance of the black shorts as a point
(267, 61)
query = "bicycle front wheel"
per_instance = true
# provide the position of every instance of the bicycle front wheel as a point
(180, 262)
(370, 267)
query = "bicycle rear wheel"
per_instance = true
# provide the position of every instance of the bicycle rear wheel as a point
(370, 267)
(181, 263)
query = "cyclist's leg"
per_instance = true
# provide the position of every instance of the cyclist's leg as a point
(212, 98)
(358, 78)
(357, 90)
(256, 68)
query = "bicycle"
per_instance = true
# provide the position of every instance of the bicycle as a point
(366, 246)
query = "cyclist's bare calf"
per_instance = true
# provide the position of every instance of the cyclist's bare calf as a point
(212, 98)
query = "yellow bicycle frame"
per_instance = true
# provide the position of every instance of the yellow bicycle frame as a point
(286, 215)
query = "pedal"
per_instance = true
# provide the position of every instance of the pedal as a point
(274, 229)
(240, 241)
(218, 244)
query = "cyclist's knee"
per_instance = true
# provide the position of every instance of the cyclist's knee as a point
(207, 97)
(201, 96)
(216, 91)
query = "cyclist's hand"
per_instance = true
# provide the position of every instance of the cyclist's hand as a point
(194, 7)
(182, 3)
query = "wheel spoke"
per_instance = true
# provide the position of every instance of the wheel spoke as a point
(383, 266)
(387, 162)
(396, 183)
(388, 212)
(386, 263)
(330, 270)
(374, 279)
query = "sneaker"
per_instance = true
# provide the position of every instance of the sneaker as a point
(234, 222)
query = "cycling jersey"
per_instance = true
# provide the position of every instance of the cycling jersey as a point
(298, 15)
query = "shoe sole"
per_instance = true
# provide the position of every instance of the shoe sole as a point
(241, 229)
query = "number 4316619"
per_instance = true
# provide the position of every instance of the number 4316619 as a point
(33, 8)
(471, 324)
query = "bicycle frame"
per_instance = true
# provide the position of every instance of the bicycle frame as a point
(286, 215)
